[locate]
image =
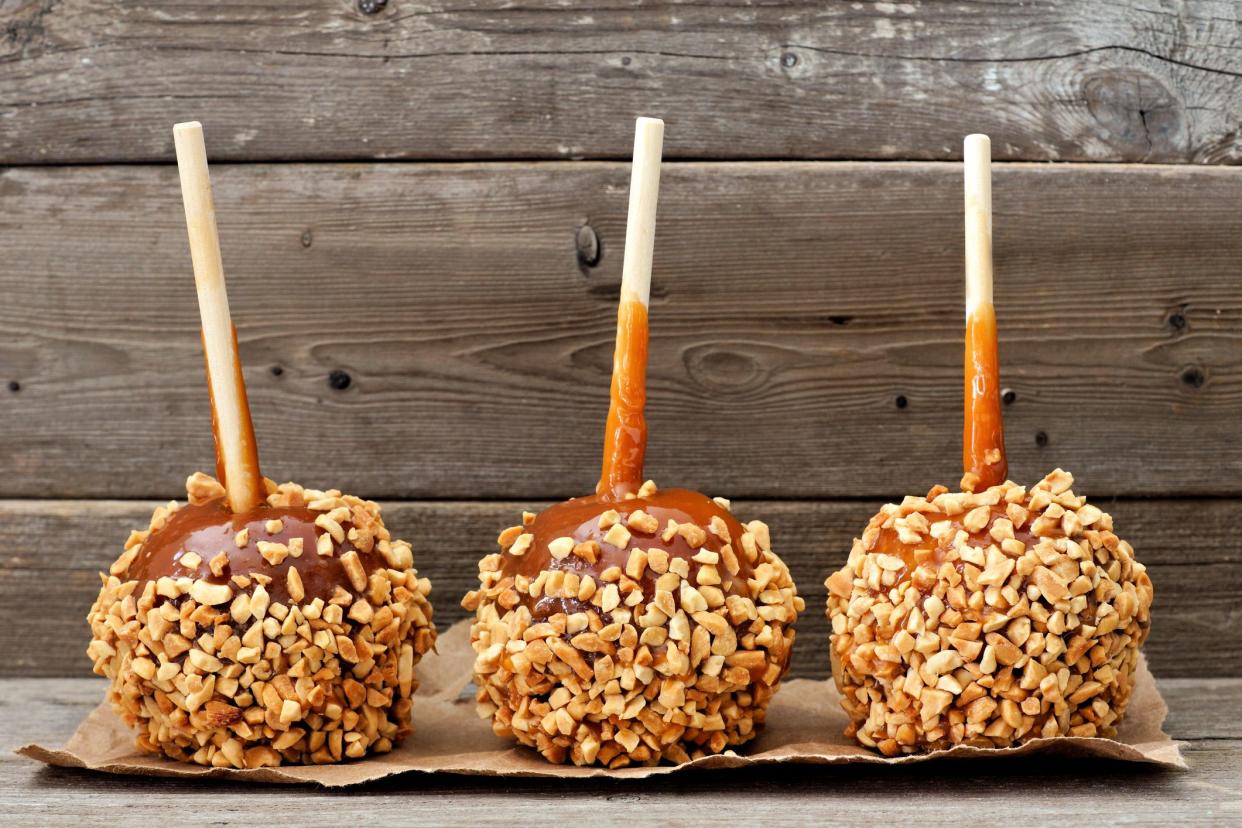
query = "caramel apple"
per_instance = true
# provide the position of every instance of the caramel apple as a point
(993, 615)
(638, 624)
(258, 624)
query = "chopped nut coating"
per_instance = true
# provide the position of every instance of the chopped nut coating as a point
(266, 667)
(987, 618)
(636, 645)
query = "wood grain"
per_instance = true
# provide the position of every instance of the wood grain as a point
(51, 553)
(1045, 792)
(437, 337)
(102, 80)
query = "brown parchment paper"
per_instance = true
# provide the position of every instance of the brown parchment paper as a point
(805, 725)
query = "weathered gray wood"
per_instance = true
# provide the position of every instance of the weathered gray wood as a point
(1048, 792)
(1079, 80)
(795, 305)
(51, 552)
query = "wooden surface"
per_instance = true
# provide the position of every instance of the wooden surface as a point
(92, 80)
(55, 549)
(1027, 792)
(436, 335)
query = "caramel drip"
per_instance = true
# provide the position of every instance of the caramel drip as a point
(983, 432)
(625, 435)
(247, 491)
(207, 529)
(579, 519)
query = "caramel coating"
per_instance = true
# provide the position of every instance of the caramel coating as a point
(987, 618)
(616, 630)
(285, 635)
(205, 530)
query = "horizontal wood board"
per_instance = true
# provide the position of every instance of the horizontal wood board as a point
(1053, 791)
(101, 80)
(51, 553)
(431, 331)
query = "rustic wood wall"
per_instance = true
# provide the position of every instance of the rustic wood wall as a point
(422, 210)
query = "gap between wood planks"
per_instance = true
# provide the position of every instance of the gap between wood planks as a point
(602, 160)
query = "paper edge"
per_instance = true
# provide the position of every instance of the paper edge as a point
(1164, 755)
(1161, 752)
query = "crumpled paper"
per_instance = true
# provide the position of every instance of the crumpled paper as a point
(805, 726)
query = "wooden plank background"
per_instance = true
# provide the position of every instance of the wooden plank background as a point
(424, 271)
(1081, 80)
(795, 306)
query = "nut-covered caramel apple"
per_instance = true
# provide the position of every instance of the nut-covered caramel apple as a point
(997, 614)
(258, 624)
(287, 633)
(638, 624)
(987, 618)
(630, 629)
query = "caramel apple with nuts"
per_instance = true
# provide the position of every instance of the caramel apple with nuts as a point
(997, 614)
(640, 624)
(258, 624)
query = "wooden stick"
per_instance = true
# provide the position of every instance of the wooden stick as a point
(977, 162)
(640, 223)
(625, 435)
(983, 435)
(237, 461)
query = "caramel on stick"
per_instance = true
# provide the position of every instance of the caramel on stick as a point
(625, 436)
(983, 437)
(237, 461)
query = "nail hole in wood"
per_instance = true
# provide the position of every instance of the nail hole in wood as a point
(339, 379)
(277, 371)
(901, 401)
(1193, 377)
(15, 386)
(1041, 438)
(789, 60)
(587, 244)
(371, 6)
(1008, 395)
(840, 320)
(307, 239)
